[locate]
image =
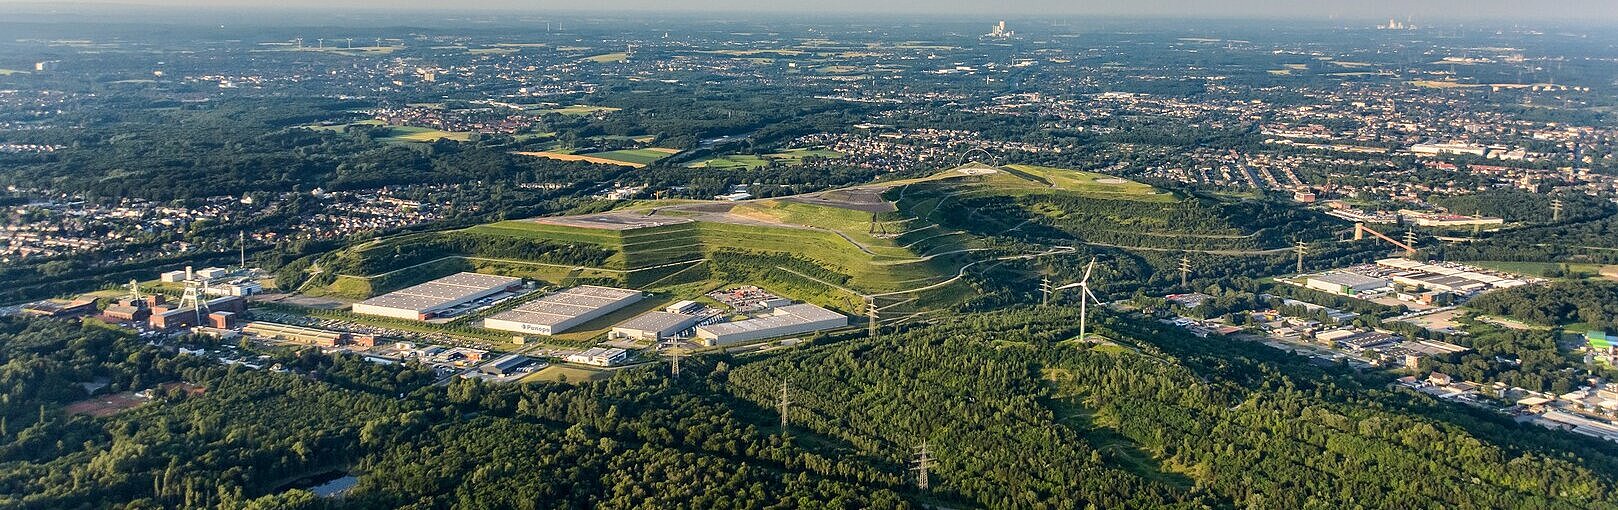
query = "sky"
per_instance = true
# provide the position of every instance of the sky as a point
(1429, 10)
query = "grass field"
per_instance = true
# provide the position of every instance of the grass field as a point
(400, 134)
(607, 58)
(1577, 270)
(1089, 183)
(340, 127)
(106, 405)
(748, 53)
(635, 158)
(581, 109)
(1436, 84)
(411, 134)
(867, 264)
(751, 161)
(567, 373)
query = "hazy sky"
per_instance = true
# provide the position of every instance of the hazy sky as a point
(1432, 10)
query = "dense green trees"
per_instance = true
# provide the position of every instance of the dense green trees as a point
(1017, 412)
(1592, 302)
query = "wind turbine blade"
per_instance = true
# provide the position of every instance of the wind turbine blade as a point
(1069, 286)
(1088, 269)
(1091, 294)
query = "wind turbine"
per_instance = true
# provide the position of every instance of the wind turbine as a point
(1085, 296)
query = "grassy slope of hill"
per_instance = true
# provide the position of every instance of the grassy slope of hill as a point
(826, 250)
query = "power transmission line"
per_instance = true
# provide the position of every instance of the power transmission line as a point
(923, 462)
(783, 406)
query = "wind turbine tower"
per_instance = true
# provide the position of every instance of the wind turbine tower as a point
(1085, 297)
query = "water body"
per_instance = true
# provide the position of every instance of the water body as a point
(330, 484)
(335, 487)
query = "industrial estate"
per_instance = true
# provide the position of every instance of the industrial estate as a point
(556, 259)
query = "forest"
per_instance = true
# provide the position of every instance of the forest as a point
(1593, 303)
(1016, 412)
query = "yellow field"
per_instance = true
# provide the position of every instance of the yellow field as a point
(1435, 84)
(559, 156)
(607, 58)
(748, 53)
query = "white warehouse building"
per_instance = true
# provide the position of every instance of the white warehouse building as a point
(654, 325)
(785, 320)
(422, 302)
(1347, 284)
(559, 312)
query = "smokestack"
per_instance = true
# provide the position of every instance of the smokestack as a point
(189, 274)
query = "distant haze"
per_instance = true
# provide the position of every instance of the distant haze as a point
(1418, 10)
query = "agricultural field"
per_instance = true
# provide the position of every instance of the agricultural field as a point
(749, 53)
(580, 109)
(9, 72)
(607, 58)
(399, 134)
(752, 161)
(634, 158)
(410, 134)
(338, 128)
(1436, 84)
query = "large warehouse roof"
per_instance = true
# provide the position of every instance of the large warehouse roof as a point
(443, 292)
(1351, 280)
(566, 305)
(657, 321)
(788, 315)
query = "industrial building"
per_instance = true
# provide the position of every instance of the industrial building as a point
(600, 356)
(1446, 277)
(783, 320)
(654, 325)
(505, 365)
(1347, 284)
(163, 317)
(59, 308)
(425, 301)
(295, 334)
(684, 306)
(559, 312)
